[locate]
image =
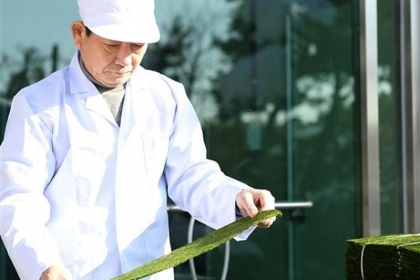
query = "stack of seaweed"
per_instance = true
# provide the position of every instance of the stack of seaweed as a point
(384, 257)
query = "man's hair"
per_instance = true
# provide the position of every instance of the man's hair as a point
(88, 31)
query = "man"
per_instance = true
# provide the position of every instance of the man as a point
(91, 153)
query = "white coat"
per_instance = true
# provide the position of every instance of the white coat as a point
(78, 190)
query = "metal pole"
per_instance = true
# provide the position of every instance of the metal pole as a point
(278, 205)
(410, 108)
(369, 117)
(291, 227)
(415, 56)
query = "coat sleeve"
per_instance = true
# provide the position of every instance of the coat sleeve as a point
(27, 165)
(195, 183)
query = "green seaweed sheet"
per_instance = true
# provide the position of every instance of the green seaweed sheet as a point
(197, 247)
(384, 257)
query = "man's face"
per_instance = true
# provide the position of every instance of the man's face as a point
(110, 62)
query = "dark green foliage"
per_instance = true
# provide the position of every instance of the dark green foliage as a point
(31, 71)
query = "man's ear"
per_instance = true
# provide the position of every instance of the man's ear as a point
(77, 31)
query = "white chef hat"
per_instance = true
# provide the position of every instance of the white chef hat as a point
(121, 20)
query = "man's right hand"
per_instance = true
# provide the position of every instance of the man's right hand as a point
(56, 273)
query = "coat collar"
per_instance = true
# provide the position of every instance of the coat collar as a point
(134, 94)
(79, 83)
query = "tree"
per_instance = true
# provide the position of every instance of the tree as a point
(31, 70)
(185, 53)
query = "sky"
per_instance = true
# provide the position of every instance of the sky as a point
(48, 21)
(43, 23)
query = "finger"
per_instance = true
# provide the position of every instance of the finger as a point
(267, 223)
(266, 200)
(246, 204)
(55, 273)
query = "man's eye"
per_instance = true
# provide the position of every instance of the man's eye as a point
(111, 45)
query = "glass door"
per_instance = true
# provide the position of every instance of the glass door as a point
(273, 82)
(279, 112)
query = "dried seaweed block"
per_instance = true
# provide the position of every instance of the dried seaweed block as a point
(384, 257)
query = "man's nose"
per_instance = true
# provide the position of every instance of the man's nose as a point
(124, 55)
